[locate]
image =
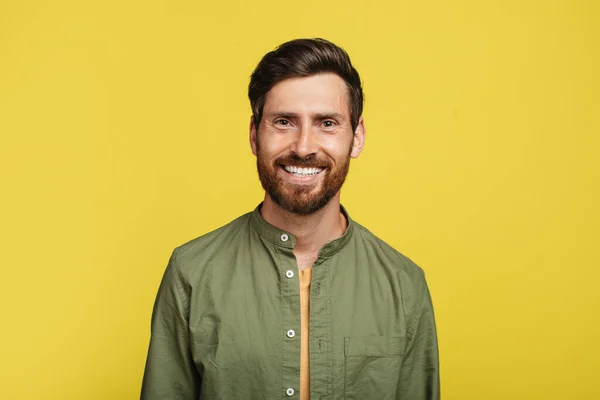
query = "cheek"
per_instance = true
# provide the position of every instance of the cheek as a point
(272, 146)
(336, 147)
(268, 155)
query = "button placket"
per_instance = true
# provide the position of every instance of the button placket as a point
(290, 291)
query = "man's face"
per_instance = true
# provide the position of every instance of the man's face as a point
(305, 141)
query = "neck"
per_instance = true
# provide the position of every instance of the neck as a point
(311, 231)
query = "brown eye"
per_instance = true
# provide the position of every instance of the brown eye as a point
(328, 124)
(283, 122)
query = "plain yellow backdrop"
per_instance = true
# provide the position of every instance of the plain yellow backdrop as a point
(124, 134)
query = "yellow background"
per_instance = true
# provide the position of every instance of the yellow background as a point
(124, 134)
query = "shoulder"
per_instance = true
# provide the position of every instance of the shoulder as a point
(389, 257)
(210, 247)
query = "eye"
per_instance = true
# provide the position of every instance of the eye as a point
(329, 123)
(282, 122)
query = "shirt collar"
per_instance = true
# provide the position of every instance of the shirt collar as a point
(286, 240)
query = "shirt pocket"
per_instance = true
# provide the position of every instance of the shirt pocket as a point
(372, 367)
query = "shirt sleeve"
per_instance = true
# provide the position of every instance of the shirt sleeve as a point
(420, 377)
(170, 372)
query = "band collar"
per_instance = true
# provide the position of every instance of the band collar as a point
(286, 240)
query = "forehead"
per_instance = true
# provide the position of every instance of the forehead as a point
(312, 94)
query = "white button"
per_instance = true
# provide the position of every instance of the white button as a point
(291, 333)
(289, 392)
(284, 238)
(289, 274)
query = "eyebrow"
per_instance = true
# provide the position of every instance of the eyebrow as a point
(291, 115)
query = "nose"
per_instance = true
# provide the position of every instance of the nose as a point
(305, 142)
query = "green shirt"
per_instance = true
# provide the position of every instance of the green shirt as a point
(228, 299)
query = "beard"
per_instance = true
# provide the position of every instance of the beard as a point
(301, 199)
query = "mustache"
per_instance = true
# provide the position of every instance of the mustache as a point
(310, 161)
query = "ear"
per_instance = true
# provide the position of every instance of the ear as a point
(253, 136)
(358, 141)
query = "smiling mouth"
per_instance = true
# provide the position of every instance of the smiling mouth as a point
(302, 172)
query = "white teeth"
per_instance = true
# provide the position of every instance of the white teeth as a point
(302, 171)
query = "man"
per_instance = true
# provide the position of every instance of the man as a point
(295, 299)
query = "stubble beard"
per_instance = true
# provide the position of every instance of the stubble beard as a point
(301, 199)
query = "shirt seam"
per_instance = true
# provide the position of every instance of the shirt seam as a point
(414, 321)
(178, 280)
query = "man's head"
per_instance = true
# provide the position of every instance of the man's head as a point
(307, 102)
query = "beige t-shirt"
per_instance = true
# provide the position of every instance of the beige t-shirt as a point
(305, 276)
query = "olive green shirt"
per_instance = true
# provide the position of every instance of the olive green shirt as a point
(226, 321)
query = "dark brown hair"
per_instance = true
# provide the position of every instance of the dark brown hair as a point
(299, 58)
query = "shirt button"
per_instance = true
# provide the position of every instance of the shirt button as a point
(289, 392)
(291, 333)
(289, 274)
(284, 238)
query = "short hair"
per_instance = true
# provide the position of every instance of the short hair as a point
(301, 58)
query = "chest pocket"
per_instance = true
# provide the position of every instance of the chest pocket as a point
(372, 367)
